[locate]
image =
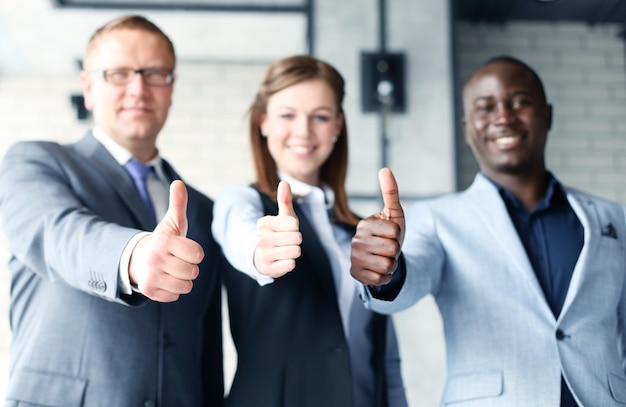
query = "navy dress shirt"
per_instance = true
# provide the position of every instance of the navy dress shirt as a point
(553, 238)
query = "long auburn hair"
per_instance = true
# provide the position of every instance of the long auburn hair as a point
(282, 74)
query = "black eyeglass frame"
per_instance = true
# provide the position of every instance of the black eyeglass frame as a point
(104, 73)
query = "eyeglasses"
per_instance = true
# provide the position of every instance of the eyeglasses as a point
(123, 76)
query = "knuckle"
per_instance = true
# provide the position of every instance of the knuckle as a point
(195, 272)
(199, 254)
(262, 222)
(149, 291)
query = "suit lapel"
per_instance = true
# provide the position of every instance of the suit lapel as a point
(116, 176)
(169, 171)
(489, 207)
(587, 215)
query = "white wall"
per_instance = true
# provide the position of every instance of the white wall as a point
(425, 130)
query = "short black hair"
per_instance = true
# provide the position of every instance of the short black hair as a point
(516, 61)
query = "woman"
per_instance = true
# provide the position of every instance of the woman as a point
(302, 336)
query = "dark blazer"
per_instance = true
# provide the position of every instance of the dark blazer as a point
(68, 211)
(292, 351)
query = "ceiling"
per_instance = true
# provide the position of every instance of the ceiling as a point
(191, 5)
(501, 11)
(493, 11)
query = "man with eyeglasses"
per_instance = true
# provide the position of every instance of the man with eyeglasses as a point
(115, 294)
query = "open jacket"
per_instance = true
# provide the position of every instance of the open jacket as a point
(504, 345)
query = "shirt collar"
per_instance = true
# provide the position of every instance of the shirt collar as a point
(304, 192)
(121, 155)
(554, 191)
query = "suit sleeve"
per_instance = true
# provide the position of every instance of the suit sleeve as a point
(235, 216)
(622, 304)
(51, 231)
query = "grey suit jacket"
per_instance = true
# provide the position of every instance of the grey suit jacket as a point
(68, 212)
(504, 345)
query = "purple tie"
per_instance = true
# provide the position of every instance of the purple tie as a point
(139, 171)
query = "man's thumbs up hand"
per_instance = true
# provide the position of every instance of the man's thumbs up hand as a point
(392, 210)
(164, 263)
(278, 237)
(175, 220)
(378, 239)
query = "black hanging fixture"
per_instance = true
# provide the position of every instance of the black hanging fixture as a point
(383, 81)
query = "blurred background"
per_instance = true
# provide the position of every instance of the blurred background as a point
(404, 62)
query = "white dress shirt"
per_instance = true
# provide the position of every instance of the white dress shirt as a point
(158, 188)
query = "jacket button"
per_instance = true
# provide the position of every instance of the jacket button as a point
(97, 285)
(560, 335)
(149, 403)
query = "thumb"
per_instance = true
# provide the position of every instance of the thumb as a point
(175, 220)
(392, 209)
(284, 199)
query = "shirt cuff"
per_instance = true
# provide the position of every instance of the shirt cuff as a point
(124, 283)
(260, 278)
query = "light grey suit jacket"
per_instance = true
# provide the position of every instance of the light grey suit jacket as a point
(68, 212)
(504, 345)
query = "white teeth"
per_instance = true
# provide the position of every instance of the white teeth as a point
(505, 141)
(302, 149)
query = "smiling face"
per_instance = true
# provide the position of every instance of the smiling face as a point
(506, 120)
(131, 114)
(302, 123)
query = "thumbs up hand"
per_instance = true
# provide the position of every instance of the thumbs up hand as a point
(278, 237)
(164, 263)
(378, 239)
(175, 220)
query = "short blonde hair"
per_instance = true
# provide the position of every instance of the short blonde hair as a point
(129, 22)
